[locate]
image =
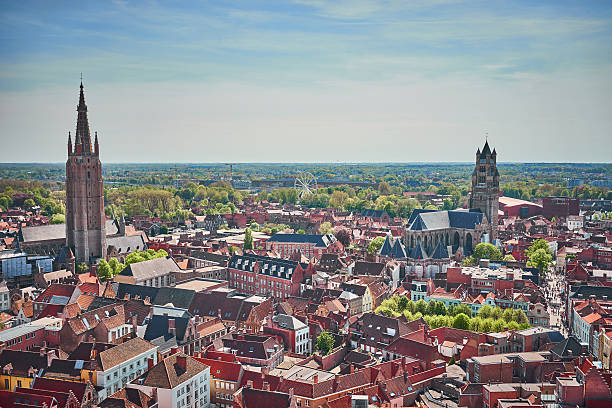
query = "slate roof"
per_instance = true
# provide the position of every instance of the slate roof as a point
(563, 348)
(128, 243)
(373, 213)
(136, 290)
(180, 298)
(281, 268)
(435, 220)
(151, 268)
(418, 252)
(440, 252)
(322, 241)
(211, 256)
(387, 247)
(399, 252)
(55, 232)
(159, 327)
(288, 322)
(168, 374)
(368, 268)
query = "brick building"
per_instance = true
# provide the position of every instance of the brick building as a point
(266, 276)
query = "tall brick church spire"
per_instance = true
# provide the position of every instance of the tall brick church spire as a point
(82, 136)
(85, 219)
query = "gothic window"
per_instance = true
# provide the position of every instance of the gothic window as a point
(482, 169)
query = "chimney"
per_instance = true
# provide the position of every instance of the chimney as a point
(315, 379)
(50, 357)
(266, 386)
(265, 370)
(171, 327)
(181, 360)
(150, 363)
(249, 384)
(174, 350)
(352, 369)
(291, 393)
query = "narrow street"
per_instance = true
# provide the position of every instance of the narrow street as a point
(552, 287)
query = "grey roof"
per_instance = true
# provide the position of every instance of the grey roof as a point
(319, 240)
(151, 268)
(281, 268)
(436, 220)
(17, 331)
(563, 348)
(440, 252)
(127, 243)
(399, 252)
(288, 322)
(56, 232)
(387, 247)
(418, 252)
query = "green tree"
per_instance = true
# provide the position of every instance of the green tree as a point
(58, 219)
(496, 313)
(462, 308)
(29, 203)
(440, 309)
(541, 259)
(163, 229)
(520, 317)
(301, 231)
(421, 306)
(484, 312)
(499, 325)
(82, 267)
(487, 251)
(508, 315)
(248, 239)
(509, 258)
(486, 325)
(461, 321)
(431, 308)
(375, 245)
(402, 303)
(468, 261)
(104, 270)
(384, 188)
(452, 361)
(325, 342)
(537, 244)
(326, 228)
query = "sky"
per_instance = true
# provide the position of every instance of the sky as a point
(308, 80)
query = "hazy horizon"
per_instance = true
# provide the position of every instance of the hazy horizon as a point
(309, 81)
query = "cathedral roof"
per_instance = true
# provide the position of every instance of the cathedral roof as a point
(386, 247)
(435, 220)
(440, 252)
(418, 252)
(398, 251)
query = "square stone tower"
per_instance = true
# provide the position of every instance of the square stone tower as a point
(85, 219)
(485, 187)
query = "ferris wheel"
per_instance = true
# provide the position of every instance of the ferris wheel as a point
(305, 183)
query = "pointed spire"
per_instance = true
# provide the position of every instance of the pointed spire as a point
(96, 147)
(486, 150)
(494, 152)
(82, 129)
(69, 144)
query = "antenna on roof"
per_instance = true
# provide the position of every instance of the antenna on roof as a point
(486, 135)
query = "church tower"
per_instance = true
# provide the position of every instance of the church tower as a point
(85, 220)
(485, 187)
